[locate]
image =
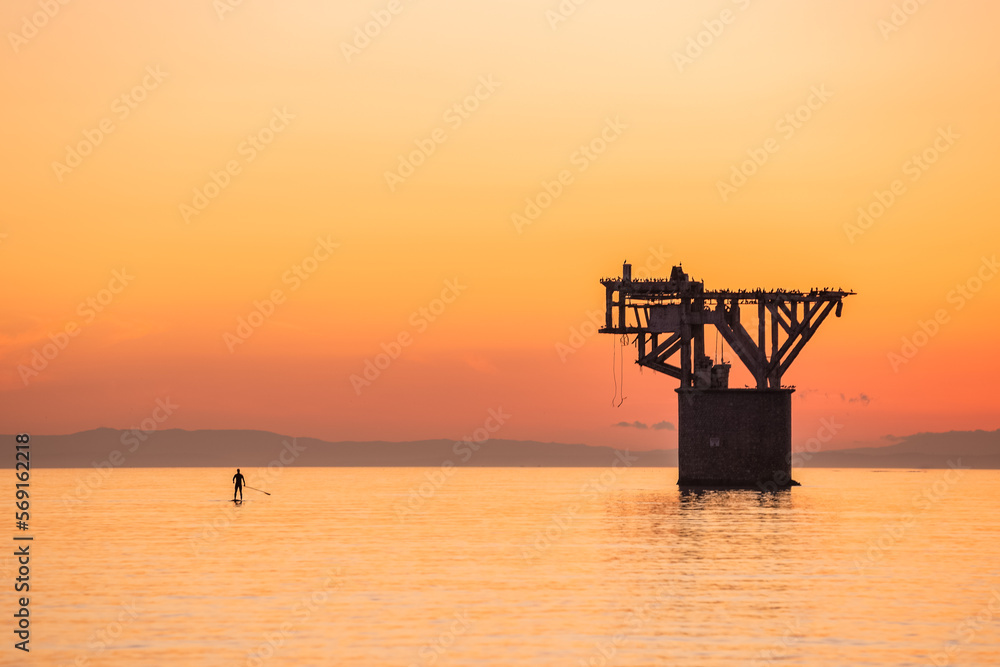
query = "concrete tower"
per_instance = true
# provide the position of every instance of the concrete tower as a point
(727, 438)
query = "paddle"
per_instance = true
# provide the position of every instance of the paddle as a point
(264, 492)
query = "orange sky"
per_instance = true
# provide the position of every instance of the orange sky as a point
(309, 119)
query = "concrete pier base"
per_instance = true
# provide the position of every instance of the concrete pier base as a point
(735, 438)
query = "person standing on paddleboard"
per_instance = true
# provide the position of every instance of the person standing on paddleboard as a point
(238, 479)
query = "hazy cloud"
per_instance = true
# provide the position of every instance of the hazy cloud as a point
(635, 424)
(809, 394)
(658, 426)
(863, 399)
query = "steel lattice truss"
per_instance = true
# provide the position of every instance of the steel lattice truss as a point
(668, 317)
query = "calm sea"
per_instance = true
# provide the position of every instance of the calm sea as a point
(509, 566)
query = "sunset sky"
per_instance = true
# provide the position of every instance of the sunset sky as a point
(171, 168)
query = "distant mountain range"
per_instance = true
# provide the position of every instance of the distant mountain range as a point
(973, 449)
(236, 448)
(233, 448)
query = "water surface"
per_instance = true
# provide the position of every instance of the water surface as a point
(511, 566)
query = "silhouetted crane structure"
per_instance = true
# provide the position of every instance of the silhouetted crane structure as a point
(726, 437)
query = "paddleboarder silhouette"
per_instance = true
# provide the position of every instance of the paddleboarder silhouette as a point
(238, 479)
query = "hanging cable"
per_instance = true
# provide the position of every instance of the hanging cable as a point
(621, 370)
(613, 376)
